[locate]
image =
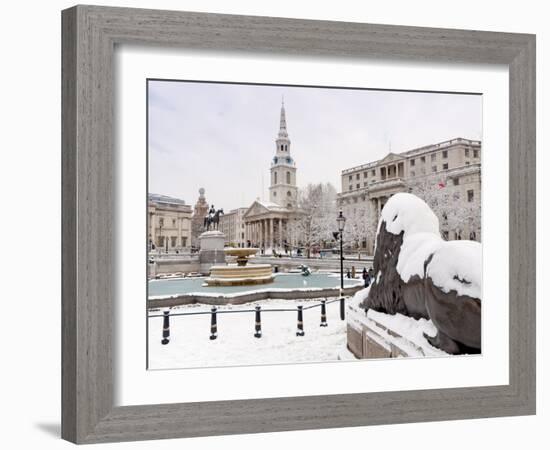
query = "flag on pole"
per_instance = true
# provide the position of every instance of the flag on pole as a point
(441, 185)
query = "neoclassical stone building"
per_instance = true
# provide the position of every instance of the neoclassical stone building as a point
(169, 223)
(269, 224)
(447, 175)
(233, 226)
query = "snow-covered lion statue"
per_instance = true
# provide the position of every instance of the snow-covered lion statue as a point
(418, 274)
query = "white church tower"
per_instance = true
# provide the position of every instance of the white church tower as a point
(282, 189)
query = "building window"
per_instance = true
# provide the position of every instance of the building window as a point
(444, 154)
(274, 177)
(274, 193)
(174, 241)
(423, 159)
(413, 173)
(476, 153)
(351, 187)
(161, 222)
(183, 241)
(289, 194)
(357, 185)
(365, 184)
(470, 196)
(467, 152)
(173, 222)
(374, 172)
(434, 168)
(365, 174)
(456, 182)
(288, 178)
(445, 166)
(357, 176)
(433, 156)
(350, 178)
(412, 162)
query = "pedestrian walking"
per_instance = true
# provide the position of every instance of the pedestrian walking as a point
(366, 277)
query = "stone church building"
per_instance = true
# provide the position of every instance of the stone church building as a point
(269, 224)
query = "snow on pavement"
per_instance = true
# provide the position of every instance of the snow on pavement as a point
(236, 345)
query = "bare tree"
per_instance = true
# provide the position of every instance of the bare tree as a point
(456, 214)
(361, 225)
(317, 215)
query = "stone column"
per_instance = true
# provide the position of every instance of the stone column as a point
(152, 230)
(271, 232)
(178, 239)
(255, 233)
(261, 224)
(280, 232)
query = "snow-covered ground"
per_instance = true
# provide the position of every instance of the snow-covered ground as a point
(190, 345)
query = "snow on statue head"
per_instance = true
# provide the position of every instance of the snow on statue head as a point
(418, 274)
(409, 214)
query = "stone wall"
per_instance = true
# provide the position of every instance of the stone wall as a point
(224, 299)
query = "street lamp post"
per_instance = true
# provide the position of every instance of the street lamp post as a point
(341, 221)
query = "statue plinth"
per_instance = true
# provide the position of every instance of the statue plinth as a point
(211, 252)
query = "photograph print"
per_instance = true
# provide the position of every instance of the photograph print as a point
(308, 224)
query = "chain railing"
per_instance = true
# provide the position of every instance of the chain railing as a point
(258, 311)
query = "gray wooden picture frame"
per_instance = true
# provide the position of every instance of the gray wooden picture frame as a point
(90, 34)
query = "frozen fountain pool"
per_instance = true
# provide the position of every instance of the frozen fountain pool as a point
(287, 283)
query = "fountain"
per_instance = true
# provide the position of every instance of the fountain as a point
(240, 274)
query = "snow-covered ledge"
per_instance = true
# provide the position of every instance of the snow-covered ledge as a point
(379, 335)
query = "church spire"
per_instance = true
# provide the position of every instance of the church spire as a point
(282, 127)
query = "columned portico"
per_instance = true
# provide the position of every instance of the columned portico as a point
(270, 225)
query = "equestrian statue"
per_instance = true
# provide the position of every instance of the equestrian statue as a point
(213, 219)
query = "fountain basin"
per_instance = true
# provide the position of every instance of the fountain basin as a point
(239, 275)
(242, 254)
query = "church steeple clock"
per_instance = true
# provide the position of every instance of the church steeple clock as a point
(282, 189)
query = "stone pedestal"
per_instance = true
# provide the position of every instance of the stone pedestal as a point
(211, 250)
(379, 335)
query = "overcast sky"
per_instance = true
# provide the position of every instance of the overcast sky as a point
(222, 136)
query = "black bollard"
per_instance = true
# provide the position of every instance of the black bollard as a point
(342, 308)
(166, 328)
(300, 330)
(258, 323)
(323, 314)
(213, 324)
